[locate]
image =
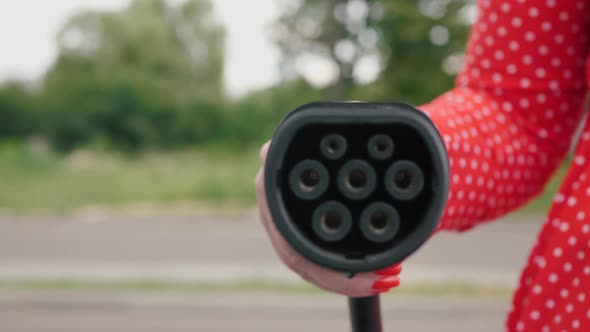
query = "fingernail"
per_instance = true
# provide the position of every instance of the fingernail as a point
(390, 271)
(387, 283)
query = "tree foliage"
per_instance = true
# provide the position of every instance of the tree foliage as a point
(424, 40)
(18, 119)
(403, 42)
(137, 77)
(151, 75)
(179, 49)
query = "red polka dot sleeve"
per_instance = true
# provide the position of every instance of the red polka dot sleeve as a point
(509, 121)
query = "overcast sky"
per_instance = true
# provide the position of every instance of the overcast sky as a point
(28, 28)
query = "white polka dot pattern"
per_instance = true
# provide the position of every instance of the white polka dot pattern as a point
(507, 126)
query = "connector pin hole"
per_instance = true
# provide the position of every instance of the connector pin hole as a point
(332, 221)
(309, 179)
(403, 179)
(357, 178)
(378, 222)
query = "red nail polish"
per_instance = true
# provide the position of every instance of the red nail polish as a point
(386, 283)
(390, 271)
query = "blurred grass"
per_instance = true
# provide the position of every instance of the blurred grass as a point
(33, 181)
(155, 286)
(36, 180)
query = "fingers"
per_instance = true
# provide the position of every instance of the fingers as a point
(262, 203)
(258, 179)
(264, 151)
(287, 255)
(390, 271)
(362, 285)
(263, 209)
(385, 284)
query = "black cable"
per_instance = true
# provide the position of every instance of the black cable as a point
(365, 314)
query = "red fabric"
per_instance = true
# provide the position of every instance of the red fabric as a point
(507, 125)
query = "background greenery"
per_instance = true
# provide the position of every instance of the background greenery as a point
(134, 108)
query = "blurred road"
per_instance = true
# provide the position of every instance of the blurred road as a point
(21, 312)
(217, 249)
(110, 248)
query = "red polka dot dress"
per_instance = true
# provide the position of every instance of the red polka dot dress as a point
(507, 126)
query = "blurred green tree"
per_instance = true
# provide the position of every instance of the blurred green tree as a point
(147, 75)
(18, 118)
(378, 49)
(150, 75)
(254, 118)
(177, 48)
(423, 43)
(322, 31)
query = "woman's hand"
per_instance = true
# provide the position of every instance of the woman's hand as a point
(362, 285)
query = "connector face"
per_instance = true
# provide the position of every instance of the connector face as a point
(356, 187)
